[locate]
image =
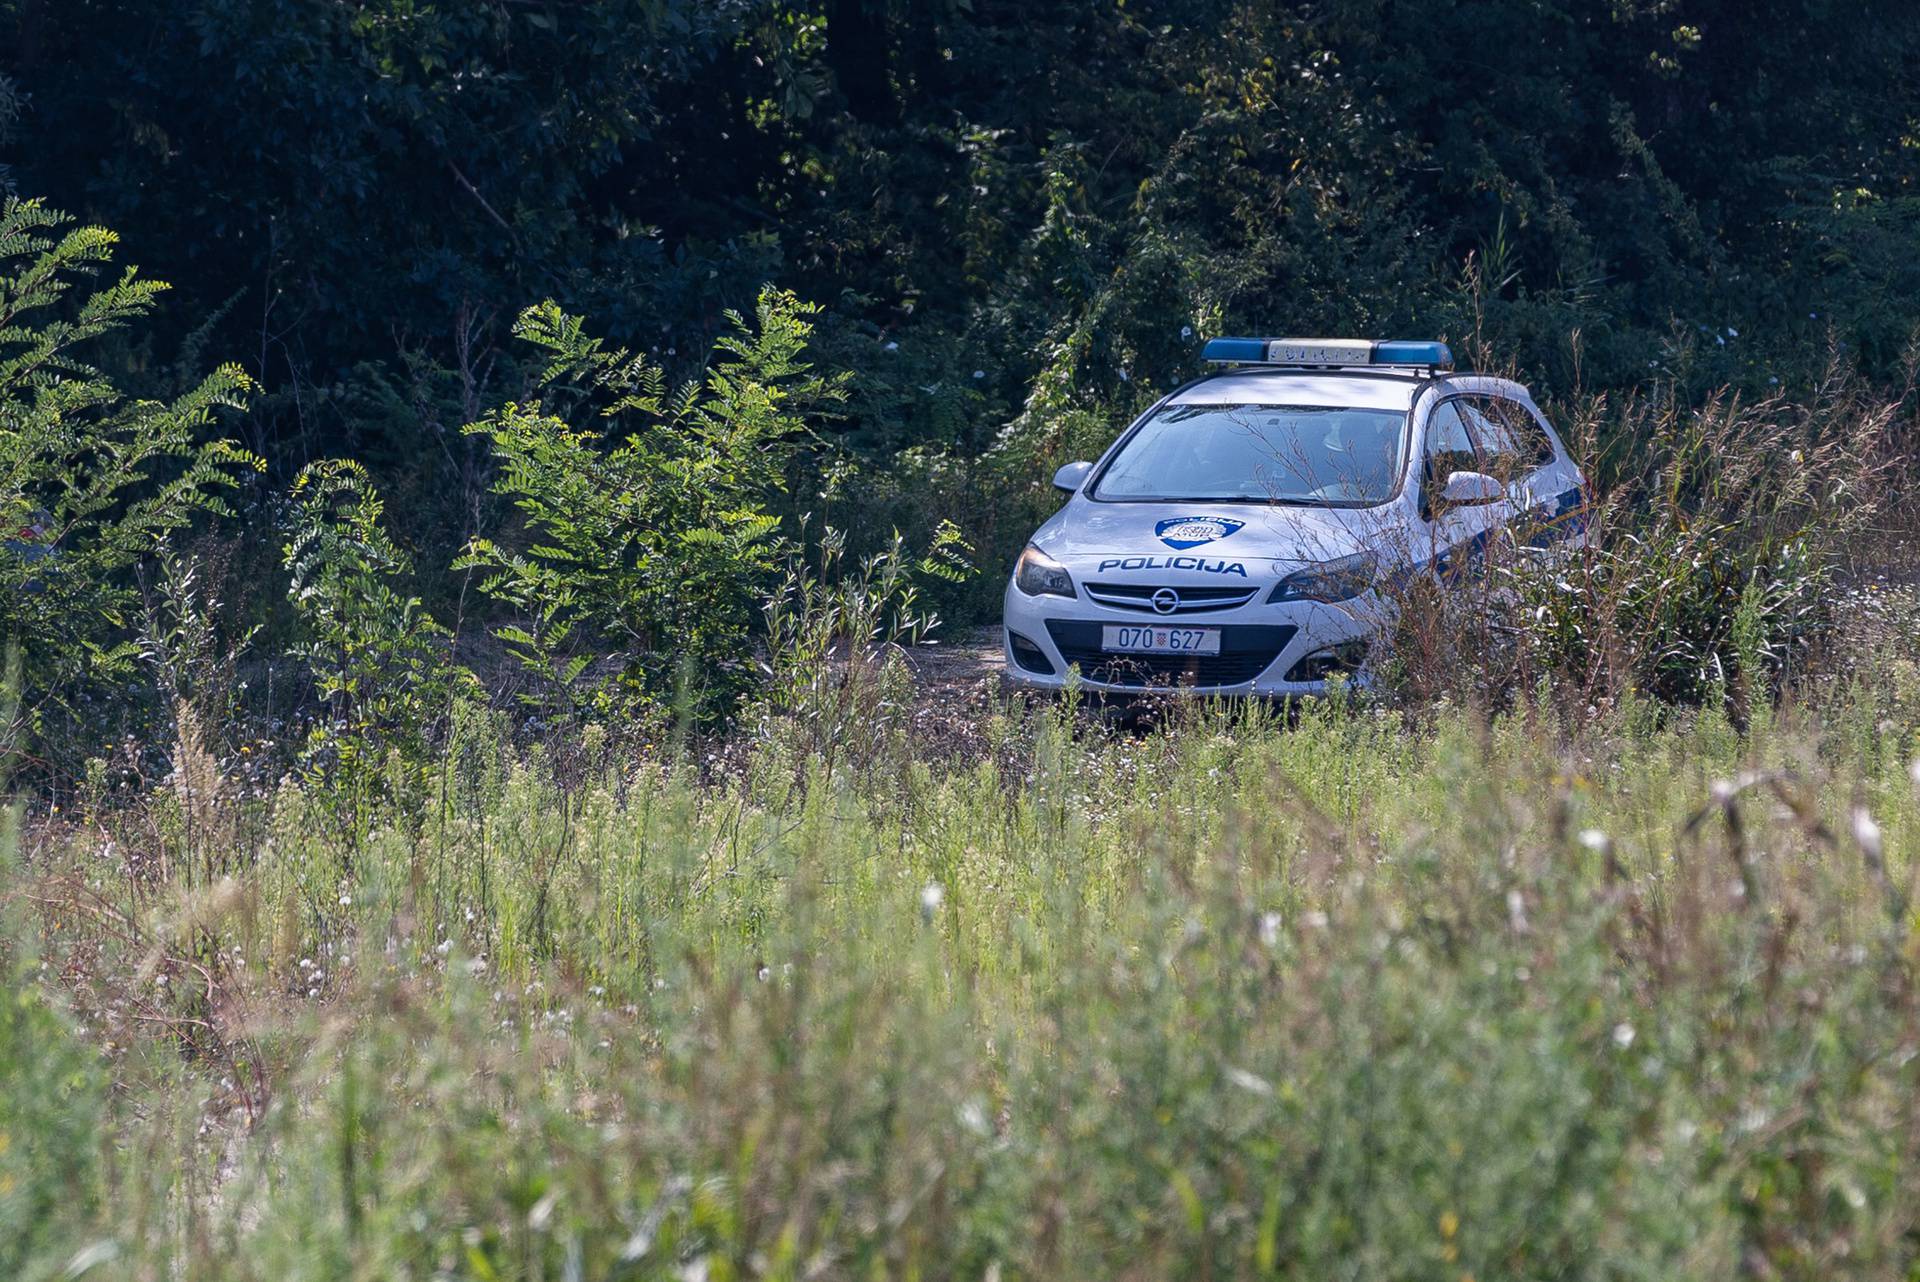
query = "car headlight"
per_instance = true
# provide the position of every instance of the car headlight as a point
(1330, 581)
(1040, 575)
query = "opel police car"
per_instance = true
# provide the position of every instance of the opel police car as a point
(1249, 532)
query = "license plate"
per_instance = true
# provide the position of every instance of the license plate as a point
(1129, 639)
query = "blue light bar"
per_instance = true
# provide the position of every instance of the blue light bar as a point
(1326, 352)
(1251, 351)
(1408, 352)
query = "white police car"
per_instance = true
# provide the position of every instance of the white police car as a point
(1244, 534)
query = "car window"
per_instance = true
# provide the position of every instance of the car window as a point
(1499, 451)
(1530, 439)
(1309, 454)
(1511, 442)
(1449, 446)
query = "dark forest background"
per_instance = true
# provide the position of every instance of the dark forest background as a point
(1020, 219)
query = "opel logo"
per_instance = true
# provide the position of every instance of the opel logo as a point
(1166, 601)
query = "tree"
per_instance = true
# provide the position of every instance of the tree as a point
(90, 480)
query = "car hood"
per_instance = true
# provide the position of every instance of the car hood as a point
(1084, 531)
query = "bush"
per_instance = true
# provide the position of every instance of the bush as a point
(89, 479)
(383, 669)
(648, 534)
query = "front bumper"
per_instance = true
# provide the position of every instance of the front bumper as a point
(1261, 645)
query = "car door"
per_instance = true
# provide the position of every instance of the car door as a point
(1454, 533)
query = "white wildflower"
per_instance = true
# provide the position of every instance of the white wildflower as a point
(1269, 929)
(1249, 1082)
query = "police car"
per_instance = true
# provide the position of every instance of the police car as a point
(1246, 535)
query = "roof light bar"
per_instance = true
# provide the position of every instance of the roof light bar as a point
(1326, 351)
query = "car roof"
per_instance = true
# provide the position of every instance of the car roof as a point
(1344, 389)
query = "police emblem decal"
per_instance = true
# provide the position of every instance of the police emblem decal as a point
(1192, 531)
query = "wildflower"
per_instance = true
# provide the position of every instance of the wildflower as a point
(930, 898)
(1186, 331)
(1623, 1035)
(1594, 839)
(979, 373)
(973, 1116)
(1252, 1083)
(1269, 929)
(1867, 833)
(346, 901)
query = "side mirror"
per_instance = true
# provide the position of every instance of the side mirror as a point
(1071, 477)
(1470, 489)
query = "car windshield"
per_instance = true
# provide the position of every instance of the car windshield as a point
(1307, 454)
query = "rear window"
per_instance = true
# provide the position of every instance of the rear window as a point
(1297, 454)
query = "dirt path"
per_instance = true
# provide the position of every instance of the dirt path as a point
(960, 660)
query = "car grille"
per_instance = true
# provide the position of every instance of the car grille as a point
(1244, 654)
(1139, 596)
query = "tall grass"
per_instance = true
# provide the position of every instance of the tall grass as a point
(1715, 535)
(1353, 997)
(1614, 980)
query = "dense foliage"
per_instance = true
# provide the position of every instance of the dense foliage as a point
(651, 526)
(89, 478)
(1012, 213)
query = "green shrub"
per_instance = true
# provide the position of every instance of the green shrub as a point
(648, 531)
(90, 479)
(383, 669)
(835, 686)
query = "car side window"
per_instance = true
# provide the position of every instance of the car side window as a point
(1519, 438)
(1449, 447)
(1499, 452)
